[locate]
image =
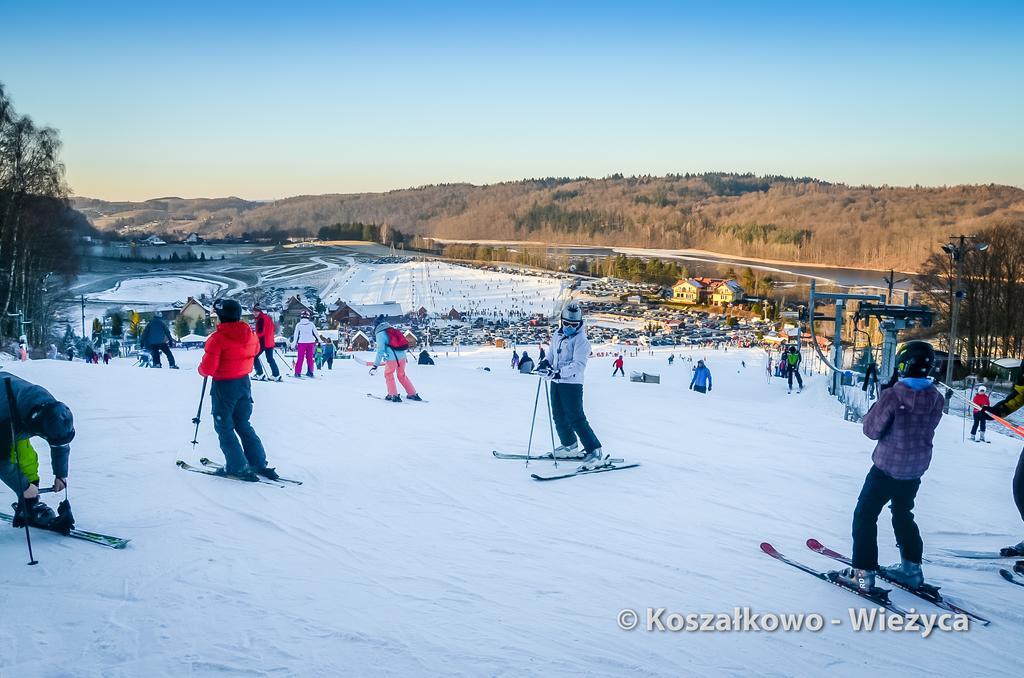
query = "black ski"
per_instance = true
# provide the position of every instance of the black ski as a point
(1008, 576)
(94, 537)
(211, 472)
(878, 596)
(573, 474)
(975, 555)
(404, 400)
(212, 464)
(926, 592)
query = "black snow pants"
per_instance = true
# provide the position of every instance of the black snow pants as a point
(881, 489)
(232, 407)
(570, 420)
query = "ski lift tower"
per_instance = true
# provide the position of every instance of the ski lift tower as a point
(836, 364)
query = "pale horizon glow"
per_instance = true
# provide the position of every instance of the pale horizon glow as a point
(264, 101)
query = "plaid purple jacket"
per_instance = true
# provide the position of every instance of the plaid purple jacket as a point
(903, 421)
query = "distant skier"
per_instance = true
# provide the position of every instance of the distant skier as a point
(328, 355)
(52, 354)
(671, 358)
(570, 350)
(793, 359)
(701, 382)
(1010, 404)
(305, 340)
(903, 421)
(228, 360)
(156, 338)
(71, 353)
(36, 413)
(515, 360)
(425, 358)
(618, 365)
(391, 351)
(318, 355)
(980, 415)
(525, 363)
(265, 334)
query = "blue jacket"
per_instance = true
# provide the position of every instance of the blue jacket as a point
(701, 377)
(329, 350)
(385, 352)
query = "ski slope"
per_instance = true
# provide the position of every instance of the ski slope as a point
(410, 551)
(155, 290)
(439, 287)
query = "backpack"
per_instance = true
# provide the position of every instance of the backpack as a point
(793, 359)
(396, 340)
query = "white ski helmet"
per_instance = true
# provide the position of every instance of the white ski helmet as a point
(982, 389)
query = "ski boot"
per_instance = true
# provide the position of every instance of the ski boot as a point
(1018, 567)
(309, 375)
(248, 475)
(905, 573)
(594, 459)
(261, 377)
(278, 378)
(394, 398)
(568, 451)
(39, 515)
(174, 367)
(973, 439)
(414, 396)
(860, 580)
(268, 473)
(981, 438)
(1015, 551)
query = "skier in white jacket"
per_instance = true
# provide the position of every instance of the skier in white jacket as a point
(305, 338)
(570, 349)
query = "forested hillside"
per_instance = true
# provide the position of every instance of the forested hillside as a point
(773, 217)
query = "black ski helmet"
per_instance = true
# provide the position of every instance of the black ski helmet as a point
(54, 423)
(915, 359)
(228, 310)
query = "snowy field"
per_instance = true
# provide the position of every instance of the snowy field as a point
(439, 287)
(157, 290)
(410, 551)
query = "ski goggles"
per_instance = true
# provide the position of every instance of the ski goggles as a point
(571, 323)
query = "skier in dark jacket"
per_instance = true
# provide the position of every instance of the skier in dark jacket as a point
(525, 363)
(903, 421)
(792, 367)
(1004, 408)
(156, 338)
(36, 413)
(425, 358)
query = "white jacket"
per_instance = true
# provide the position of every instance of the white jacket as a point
(568, 356)
(305, 332)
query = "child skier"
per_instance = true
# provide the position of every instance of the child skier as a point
(570, 349)
(793, 359)
(228, 360)
(980, 416)
(305, 339)
(903, 421)
(394, 363)
(618, 366)
(328, 353)
(701, 382)
(36, 413)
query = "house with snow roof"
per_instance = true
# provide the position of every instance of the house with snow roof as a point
(357, 315)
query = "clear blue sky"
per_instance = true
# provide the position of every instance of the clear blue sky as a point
(265, 100)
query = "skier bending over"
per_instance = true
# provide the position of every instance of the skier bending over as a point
(980, 416)
(701, 382)
(228, 358)
(36, 413)
(156, 338)
(394, 363)
(793, 359)
(618, 366)
(903, 421)
(1007, 406)
(570, 349)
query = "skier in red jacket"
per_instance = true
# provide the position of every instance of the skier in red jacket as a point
(618, 366)
(265, 333)
(980, 416)
(228, 360)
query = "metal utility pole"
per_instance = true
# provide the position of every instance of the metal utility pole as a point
(891, 282)
(957, 250)
(83, 316)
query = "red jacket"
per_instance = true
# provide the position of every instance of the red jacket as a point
(618, 362)
(981, 400)
(230, 352)
(265, 330)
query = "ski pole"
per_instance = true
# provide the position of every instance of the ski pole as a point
(533, 421)
(1019, 430)
(199, 412)
(22, 504)
(551, 424)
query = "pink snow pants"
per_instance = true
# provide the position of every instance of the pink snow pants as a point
(305, 353)
(392, 366)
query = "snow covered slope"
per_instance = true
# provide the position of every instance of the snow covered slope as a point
(439, 287)
(410, 551)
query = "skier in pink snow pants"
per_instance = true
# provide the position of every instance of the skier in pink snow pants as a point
(305, 340)
(394, 362)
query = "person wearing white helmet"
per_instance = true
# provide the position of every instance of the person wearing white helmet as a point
(305, 338)
(567, 358)
(980, 417)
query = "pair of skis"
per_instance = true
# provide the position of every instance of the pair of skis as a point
(878, 596)
(610, 465)
(94, 537)
(404, 400)
(1015, 577)
(210, 468)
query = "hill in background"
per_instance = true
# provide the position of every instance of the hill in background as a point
(802, 219)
